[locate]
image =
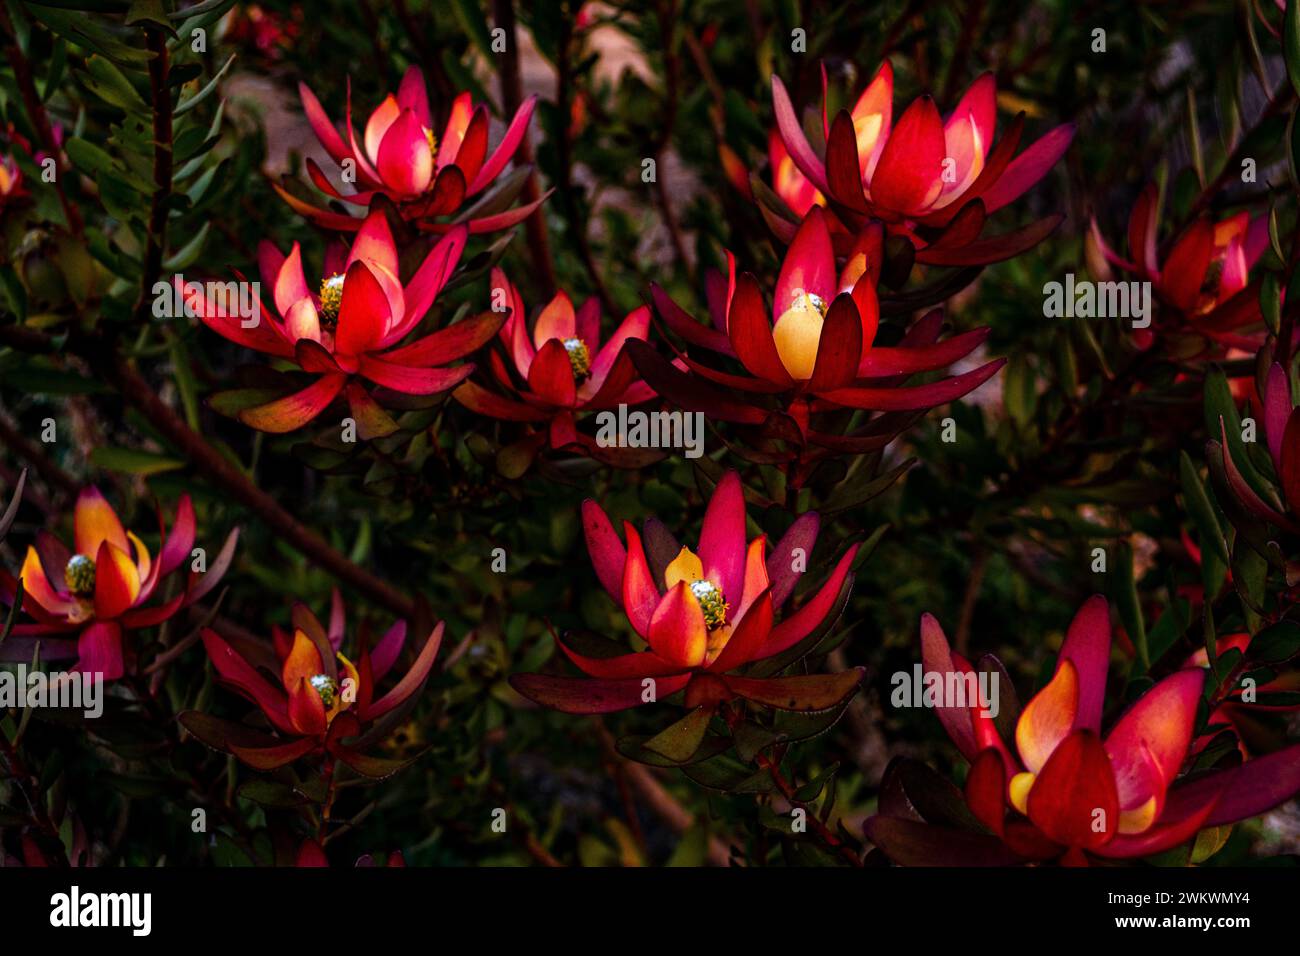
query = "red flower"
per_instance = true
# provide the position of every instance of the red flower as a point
(562, 369)
(1071, 790)
(816, 353)
(321, 699)
(705, 616)
(98, 592)
(1205, 277)
(427, 176)
(350, 327)
(932, 180)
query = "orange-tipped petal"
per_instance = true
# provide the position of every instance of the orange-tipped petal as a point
(377, 126)
(304, 660)
(306, 709)
(117, 582)
(677, 630)
(95, 522)
(1048, 718)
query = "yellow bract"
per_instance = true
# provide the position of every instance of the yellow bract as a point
(685, 567)
(797, 334)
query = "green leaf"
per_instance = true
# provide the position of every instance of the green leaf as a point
(188, 254)
(133, 462)
(680, 741)
(111, 85)
(149, 11)
(1275, 644)
(188, 104)
(1201, 511)
(42, 380)
(1130, 608)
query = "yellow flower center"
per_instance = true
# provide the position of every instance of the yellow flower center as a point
(326, 686)
(712, 603)
(579, 358)
(432, 141)
(798, 332)
(688, 567)
(80, 575)
(331, 297)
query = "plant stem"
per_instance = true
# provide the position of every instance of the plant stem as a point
(503, 16)
(209, 462)
(161, 102)
(824, 832)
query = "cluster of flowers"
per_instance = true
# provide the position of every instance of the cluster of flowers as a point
(719, 624)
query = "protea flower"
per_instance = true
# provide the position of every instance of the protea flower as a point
(1204, 279)
(816, 353)
(320, 700)
(931, 180)
(561, 369)
(349, 327)
(426, 174)
(707, 616)
(1063, 789)
(85, 601)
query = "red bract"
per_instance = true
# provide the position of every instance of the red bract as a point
(98, 592)
(427, 176)
(1071, 791)
(1281, 694)
(1204, 280)
(320, 701)
(794, 188)
(705, 616)
(816, 352)
(562, 369)
(350, 326)
(932, 180)
(1246, 489)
